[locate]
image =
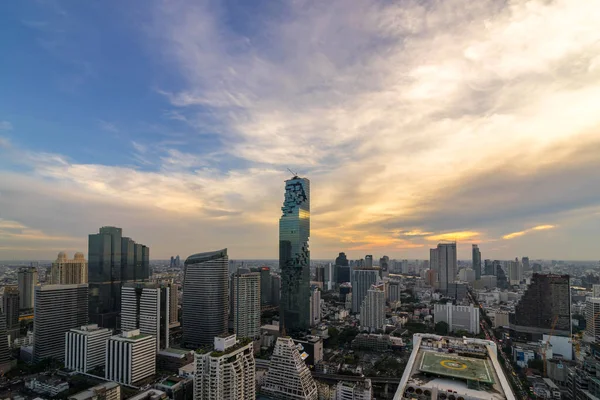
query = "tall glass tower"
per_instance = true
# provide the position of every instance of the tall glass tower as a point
(294, 257)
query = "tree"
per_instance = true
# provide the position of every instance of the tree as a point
(441, 328)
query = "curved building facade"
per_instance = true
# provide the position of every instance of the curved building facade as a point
(294, 257)
(205, 297)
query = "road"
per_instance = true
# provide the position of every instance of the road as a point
(503, 358)
(351, 378)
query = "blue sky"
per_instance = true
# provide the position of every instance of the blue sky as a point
(415, 121)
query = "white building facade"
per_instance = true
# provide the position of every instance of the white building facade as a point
(246, 304)
(146, 306)
(85, 347)
(458, 317)
(315, 307)
(372, 310)
(130, 357)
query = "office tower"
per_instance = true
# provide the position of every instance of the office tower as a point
(458, 318)
(525, 262)
(246, 304)
(466, 275)
(362, 280)
(145, 306)
(489, 281)
(57, 309)
(489, 268)
(346, 293)
(265, 286)
(354, 390)
(546, 298)
(103, 391)
(69, 272)
(315, 307)
(177, 261)
(477, 261)
(10, 307)
(405, 265)
(384, 264)
(372, 310)
(394, 291)
(4, 350)
(294, 256)
(369, 261)
(275, 289)
(514, 272)
(342, 260)
(343, 273)
(443, 261)
(430, 363)
(130, 357)
(85, 347)
(501, 277)
(320, 274)
(288, 376)
(205, 298)
(113, 260)
(172, 263)
(227, 373)
(173, 305)
(592, 319)
(27, 279)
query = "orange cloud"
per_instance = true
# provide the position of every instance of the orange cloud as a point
(526, 231)
(453, 236)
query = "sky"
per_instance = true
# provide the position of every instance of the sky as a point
(416, 121)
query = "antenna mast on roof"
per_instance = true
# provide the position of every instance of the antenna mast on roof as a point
(293, 173)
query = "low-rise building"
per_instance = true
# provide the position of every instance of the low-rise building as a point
(458, 317)
(50, 386)
(151, 394)
(372, 342)
(171, 359)
(104, 391)
(354, 390)
(177, 387)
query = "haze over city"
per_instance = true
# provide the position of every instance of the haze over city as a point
(415, 123)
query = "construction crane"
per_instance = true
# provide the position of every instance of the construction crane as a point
(545, 348)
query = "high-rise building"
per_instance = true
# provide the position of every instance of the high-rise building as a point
(246, 304)
(443, 261)
(173, 305)
(145, 306)
(294, 256)
(546, 298)
(130, 357)
(85, 347)
(394, 291)
(10, 307)
(592, 313)
(372, 310)
(315, 307)
(4, 350)
(514, 272)
(265, 286)
(320, 274)
(342, 273)
(288, 377)
(525, 262)
(57, 309)
(369, 261)
(477, 261)
(354, 390)
(384, 265)
(27, 280)
(489, 268)
(227, 373)
(341, 260)
(69, 272)
(362, 280)
(458, 318)
(205, 298)
(275, 289)
(113, 260)
(595, 290)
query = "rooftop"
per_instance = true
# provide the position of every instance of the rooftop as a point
(201, 257)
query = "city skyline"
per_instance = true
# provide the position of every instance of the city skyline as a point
(181, 115)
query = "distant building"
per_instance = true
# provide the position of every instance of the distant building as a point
(315, 307)
(368, 261)
(266, 296)
(145, 306)
(476, 261)
(384, 265)
(515, 273)
(58, 309)
(466, 275)
(246, 304)
(458, 317)
(51, 386)
(227, 372)
(205, 298)
(489, 268)
(341, 260)
(4, 349)
(546, 298)
(85, 347)
(595, 290)
(489, 281)
(362, 280)
(275, 289)
(376, 342)
(130, 357)
(372, 310)
(177, 387)
(354, 390)
(525, 262)
(289, 378)
(313, 347)
(103, 391)
(320, 274)
(27, 279)
(343, 273)
(173, 359)
(443, 260)
(592, 317)
(11, 306)
(69, 272)
(394, 292)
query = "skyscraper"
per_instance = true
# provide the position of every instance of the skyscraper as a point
(372, 310)
(369, 261)
(69, 272)
(289, 378)
(205, 298)
(58, 308)
(10, 306)
(145, 306)
(130, 357)
(265, 285)
(320, 274)
(477, 262)
(4, 350)
(526, 266)
(592, 313)
(27, 279)
(514, 272)
(227, 373)
(246, 304)
(85, 347)
(546, 298)
(384, 264)
(275, 289)
(315, 306)
(362, 280)
(443, 261)
(113, 260)
(489, 268)
(294, 256)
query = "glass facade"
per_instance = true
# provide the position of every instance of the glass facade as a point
(294, 256)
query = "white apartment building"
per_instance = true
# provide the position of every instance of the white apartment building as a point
(130, 357)
(289, 378)
(372, 310)
(246, 304)
(227, 373)
(85, 347)
(146, 306)
(458, 317)
(315, 307)
(354, 390)
(592, 318)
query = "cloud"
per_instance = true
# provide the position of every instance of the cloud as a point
(108, 126)
(454, 236)
(5, 126)
(526, 231)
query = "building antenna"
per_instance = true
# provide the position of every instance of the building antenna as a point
(293, 173)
